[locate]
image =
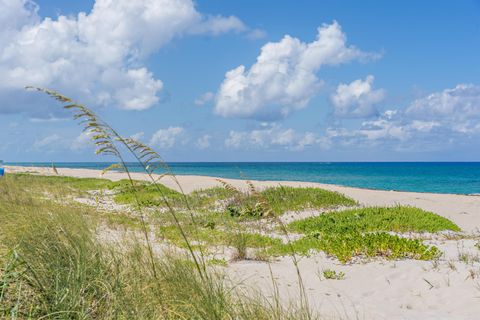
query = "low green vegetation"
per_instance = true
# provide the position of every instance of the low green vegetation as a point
(46, 183)
(365, 233)
(347, 246)
(333, 275)
(375, 219)
(234, 202)
(278, 200)
(221, 212)
(208, 236)
(283, 199)
(147, 194)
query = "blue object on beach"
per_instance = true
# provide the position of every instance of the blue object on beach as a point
(2, 172)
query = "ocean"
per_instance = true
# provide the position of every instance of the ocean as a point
(437, 177)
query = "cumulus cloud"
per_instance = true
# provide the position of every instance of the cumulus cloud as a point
(284, 77)
(357, 99)
(167, 138)
(96, 55)
(458, 108)
(427, 123)
(270, 136)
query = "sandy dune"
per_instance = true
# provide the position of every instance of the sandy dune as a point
(447, 289)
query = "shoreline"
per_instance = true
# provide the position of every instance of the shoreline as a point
(464, 210)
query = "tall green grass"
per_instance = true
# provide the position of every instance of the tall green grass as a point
(53, 266)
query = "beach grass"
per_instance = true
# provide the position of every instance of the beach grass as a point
(208, 236)
(45, 183)
(52, 265)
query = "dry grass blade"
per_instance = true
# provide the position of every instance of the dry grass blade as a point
(115, 166)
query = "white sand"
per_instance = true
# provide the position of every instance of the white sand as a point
(376, 290)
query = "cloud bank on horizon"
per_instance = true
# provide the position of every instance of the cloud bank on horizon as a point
(105, 56)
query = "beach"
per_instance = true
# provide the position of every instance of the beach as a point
(448, 288)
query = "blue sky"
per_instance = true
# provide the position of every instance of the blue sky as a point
(321, 80)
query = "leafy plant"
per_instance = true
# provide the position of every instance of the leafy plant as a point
(364, 233)
(373, 219)
(346, 246)
(334, 275)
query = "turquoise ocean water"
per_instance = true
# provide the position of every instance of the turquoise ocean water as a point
(438, 177)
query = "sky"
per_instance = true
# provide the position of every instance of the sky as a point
(244, 80)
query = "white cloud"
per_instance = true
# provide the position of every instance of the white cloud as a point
(217, 25)
(167, 138)
(204, 141)
(284, 77)
(308, 139)
(357, 99)
(96, 55)
(457, 108)
(431, 122)
(83, 141)
(270, 137)
(47, 142)
(204, 98)
(235, 139)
